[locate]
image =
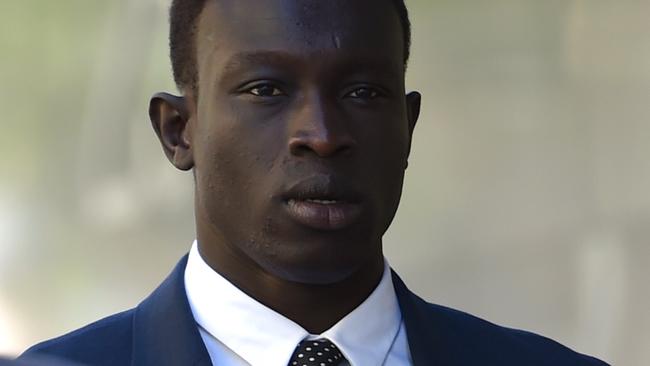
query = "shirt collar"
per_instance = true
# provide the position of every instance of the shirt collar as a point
(262, 336)
(366, 335)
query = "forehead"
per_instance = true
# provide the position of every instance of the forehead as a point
(308, 28)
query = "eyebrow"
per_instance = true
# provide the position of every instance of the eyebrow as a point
(259, 58)
(349, 65)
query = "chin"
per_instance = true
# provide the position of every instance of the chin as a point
(331, 265)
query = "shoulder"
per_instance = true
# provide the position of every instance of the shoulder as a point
(104, 342)
(502, 345)
(442, 335)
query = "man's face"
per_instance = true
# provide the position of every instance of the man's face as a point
(300, 132)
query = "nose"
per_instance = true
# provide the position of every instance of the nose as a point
(317, 128)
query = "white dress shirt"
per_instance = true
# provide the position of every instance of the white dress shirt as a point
(238, 330)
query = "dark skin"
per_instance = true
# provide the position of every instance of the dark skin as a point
(298, 135)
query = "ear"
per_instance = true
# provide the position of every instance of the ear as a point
(413, 102)
(170, 118)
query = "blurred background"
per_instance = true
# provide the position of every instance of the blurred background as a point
(527, 200)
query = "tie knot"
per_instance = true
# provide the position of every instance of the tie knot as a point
(318, 352)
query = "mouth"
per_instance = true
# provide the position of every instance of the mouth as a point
(321, 203)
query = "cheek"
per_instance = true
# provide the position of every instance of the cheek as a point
(387, 145)
(216, 181)
(234, 157)
(385, 162)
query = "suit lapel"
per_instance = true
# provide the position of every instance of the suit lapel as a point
(426, 342)
(164, 330)
(165, 333)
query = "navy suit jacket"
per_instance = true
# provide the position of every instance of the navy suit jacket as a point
(161, 331)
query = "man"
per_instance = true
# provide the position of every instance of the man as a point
(295, 123)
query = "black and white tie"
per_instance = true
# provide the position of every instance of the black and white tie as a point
(318, 352)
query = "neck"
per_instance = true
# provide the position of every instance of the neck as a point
(315, 307)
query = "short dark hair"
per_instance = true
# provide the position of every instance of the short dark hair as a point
(183, 16)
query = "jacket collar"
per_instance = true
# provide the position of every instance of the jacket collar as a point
(426, 343)
(164, 331)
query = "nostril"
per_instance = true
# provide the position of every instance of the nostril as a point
(345, 147)
(298, 146)
(322, 146)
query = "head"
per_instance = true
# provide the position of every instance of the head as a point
(295, 122)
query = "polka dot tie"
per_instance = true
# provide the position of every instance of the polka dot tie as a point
(319, 352)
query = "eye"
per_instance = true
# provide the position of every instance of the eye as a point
(265, 90)
(364, 93)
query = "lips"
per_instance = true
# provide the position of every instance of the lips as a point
(323, 203)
